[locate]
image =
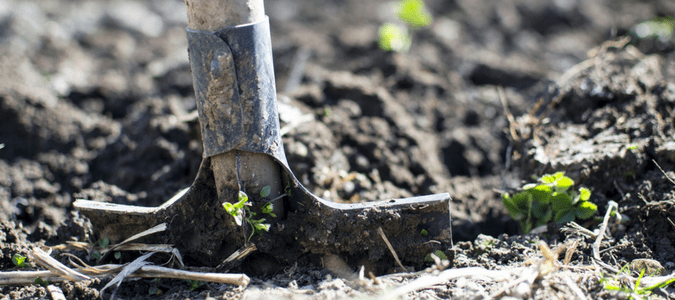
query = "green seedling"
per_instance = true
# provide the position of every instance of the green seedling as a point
(153, 290)
(636, 292)
(551, 199)
(194, 284)
(394, 37)
(236, 210)
(39, 281)
(440, 254)
(660, 27)
(104, 242)
(265, 191)
(241, 208)
(20, 261)
(413, 13)
(118, 255)
(632, 147)
(287, 189)
(268, 208)
(424, 232)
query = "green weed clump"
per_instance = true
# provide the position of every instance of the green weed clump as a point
(550, 199)
(393, 37)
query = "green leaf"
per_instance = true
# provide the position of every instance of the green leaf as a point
(526, 226)
(540, 222)
(441, 254)
(265, 191)
(262, 226)
(41, 282)
(393, 38)
(529, 186)
(561, 201)
(563, 183)
(585, 210)
(242, 197)
(412, 12)
(564, 216)
(584, 194)
(541, 193)
(268, 208)
(230, 208)
(547, 217)
(96, 255)
(515, 212)
(424, 232)
(153, 290)
(19, 260)
(118, 255)
(104, 242)
(523, 200)
(547, 178)
(235, 212)
(194, 284)
(539, 209)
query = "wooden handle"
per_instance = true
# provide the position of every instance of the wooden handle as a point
(209, 15)
(235, 170)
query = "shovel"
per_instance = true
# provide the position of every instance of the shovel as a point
(231, 60)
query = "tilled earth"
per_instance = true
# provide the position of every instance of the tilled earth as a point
(96, 102)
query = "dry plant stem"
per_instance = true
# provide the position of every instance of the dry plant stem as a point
(245, 171)
(598, 241)
(575, 288)
(44, 260)
(447, 275)
(393, 253)
(162, 272)
(27, 277)
(664, 172)
(507, 112)
(55, 292)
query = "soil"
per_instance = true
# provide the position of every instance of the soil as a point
(96, 102)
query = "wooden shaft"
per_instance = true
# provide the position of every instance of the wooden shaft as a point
(236, 170)
(209, 15)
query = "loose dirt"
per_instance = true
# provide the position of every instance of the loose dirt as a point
(96, 102)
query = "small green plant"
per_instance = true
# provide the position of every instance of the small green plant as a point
(153, 290)
(287, 189)
(118, 255)
(413, 13)
(661, 27)
(19, 261)
(438, 253)
(636, 292)
(633, 147)
(424, 232)
(104, 242)
(194, 284)
(551, 199)
(393, 37)
(241, 208)
(39, 281)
